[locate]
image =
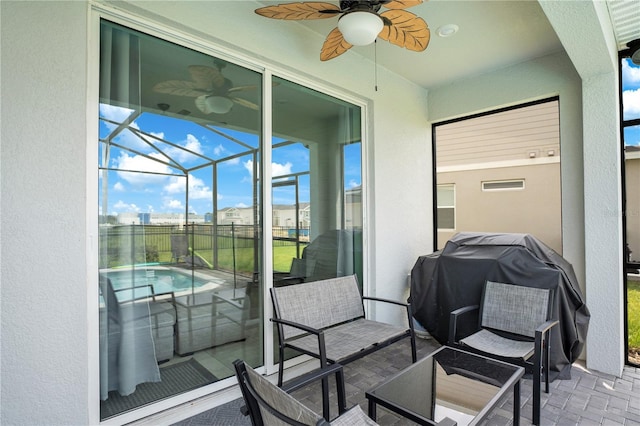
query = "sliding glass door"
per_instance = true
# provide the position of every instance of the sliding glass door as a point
(180, 230)
(316, 172)
(181, 150)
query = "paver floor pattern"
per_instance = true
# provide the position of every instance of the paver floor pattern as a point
(589, 398)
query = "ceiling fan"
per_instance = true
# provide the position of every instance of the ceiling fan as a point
(213, 92)
(359, 23)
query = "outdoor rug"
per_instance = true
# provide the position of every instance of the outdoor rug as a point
(176, 379)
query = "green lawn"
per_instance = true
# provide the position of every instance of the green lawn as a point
(633, 313)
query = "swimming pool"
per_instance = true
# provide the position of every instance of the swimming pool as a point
(156, 280)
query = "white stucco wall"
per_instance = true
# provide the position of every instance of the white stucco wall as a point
(45, 338)
(585, 31)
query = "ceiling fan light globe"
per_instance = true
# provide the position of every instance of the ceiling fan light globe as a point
(635, 57)
(219, 104)
(360, 28)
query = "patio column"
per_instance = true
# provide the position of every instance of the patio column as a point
(588, 39)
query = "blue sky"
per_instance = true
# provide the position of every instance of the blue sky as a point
(164, 191)
(631, 99)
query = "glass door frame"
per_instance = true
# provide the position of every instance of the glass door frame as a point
(268, 71)
(623, 188)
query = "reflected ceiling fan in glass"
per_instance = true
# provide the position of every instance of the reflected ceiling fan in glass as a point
(359, 23)
(213, 92)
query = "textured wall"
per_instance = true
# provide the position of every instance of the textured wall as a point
(44, 291)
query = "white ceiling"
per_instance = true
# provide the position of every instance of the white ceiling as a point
(492, 34)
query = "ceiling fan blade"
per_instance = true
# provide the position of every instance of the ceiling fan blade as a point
(406, 30)
(242, 88)
(202, 105)
(300, 10)
(335, 45)
(206, 78)
(402, 4)
(178, 87)
(245, 103)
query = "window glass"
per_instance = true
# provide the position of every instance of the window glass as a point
(630, 85)
(630, 90)
(180, 232)
(446, 207)
(317, 185)
(486, 157)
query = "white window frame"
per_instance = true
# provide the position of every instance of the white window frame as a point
(453, 206)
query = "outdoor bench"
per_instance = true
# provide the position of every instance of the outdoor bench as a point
(326, 320)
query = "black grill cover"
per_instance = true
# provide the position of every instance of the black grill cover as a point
(453, 277)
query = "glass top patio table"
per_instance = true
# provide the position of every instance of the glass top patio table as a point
(451, 383)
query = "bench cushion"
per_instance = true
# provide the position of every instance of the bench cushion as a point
(350, 338)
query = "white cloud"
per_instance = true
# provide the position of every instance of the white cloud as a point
(249, 166)
(241, 205)
(276, 168)
(353, 184)
(124, 207)
(219, 150)
(118, 187)
(630, 75)
(114, 113)
(173, 204)
(281, 169)
(197, 188)
(631, 102)
(192, 144)
(141, 164)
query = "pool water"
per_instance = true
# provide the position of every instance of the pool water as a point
(160, 280)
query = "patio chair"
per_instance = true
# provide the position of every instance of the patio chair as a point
(267, 404)
(514, 323)
(179, 247)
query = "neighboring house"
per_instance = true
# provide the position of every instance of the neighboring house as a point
(632, 175)
(158, 219)
(500, 172)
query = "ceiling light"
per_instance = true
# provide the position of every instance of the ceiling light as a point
(447, 30)
(218, 104)
(360, 27)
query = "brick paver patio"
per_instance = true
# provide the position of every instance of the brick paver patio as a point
(589, 398)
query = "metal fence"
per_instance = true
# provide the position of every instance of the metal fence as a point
(127, 244)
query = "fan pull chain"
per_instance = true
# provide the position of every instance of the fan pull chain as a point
(375, 65)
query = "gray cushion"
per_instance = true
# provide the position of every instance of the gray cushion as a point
(489, 342)
(349, 338)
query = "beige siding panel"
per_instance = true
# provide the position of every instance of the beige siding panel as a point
(534, 210)
(504, 136)
(632, 171)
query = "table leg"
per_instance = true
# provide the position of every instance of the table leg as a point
(516, 404)
(372, 410)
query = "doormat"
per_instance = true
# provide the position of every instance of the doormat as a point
(175, 379)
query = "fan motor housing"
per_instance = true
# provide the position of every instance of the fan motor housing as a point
(351, 5)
